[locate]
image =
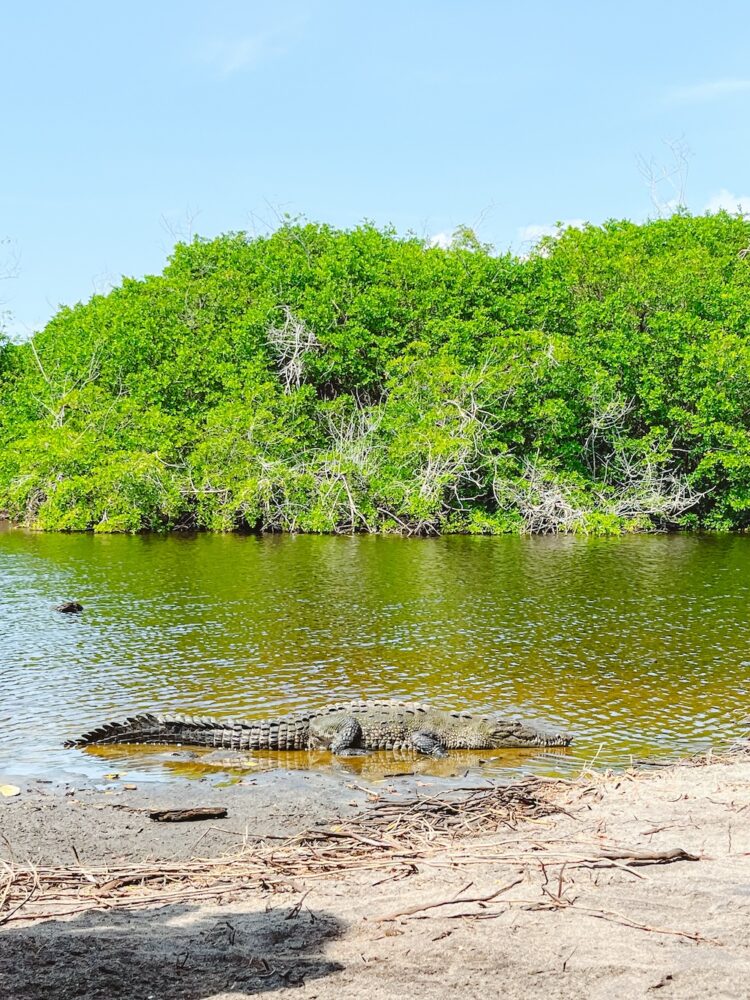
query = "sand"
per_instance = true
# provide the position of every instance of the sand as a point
(567, 920)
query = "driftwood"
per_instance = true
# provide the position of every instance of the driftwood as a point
(187, 815)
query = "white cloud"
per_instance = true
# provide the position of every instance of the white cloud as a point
(234, 55)
(711, 90)
(442, 240)
(669, 207)
(270, 37)
(534, 233)
(725, 201)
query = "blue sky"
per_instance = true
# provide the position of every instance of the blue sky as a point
(127, 126)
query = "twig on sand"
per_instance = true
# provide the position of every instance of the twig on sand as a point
(621, 918)
(449, 829)
(453, 901)
(392, 835)
(633, 857)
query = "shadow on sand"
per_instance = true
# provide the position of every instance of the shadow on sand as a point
(171, 953)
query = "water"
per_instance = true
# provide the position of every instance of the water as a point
(639, 646)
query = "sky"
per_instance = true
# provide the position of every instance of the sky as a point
(127, 127)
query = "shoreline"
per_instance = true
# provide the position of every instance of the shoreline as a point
(609, 883)
(8, 524)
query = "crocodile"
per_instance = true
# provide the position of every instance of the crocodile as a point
(346, 729)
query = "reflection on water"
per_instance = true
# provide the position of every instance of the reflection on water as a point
(196, 762)
(638, 646)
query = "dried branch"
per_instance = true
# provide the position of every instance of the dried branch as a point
(292, 342)
(671, 176)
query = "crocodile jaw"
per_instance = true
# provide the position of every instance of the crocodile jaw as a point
(507, 735)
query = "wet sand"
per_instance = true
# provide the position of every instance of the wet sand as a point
(92, 823)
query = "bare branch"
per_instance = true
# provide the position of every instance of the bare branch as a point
(292, 342)
(669, 178)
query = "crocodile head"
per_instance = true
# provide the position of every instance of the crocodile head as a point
(506, 733)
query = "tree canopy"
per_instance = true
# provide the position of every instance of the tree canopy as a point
(317, 379)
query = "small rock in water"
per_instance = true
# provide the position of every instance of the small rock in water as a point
(69, 608)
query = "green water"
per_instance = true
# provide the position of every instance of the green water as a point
(638, 646)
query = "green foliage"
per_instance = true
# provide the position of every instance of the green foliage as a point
(324, 380)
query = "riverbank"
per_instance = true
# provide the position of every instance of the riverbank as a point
(612, 884)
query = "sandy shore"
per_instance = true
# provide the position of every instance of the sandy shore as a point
(581, 905)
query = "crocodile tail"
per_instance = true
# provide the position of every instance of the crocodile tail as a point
(155, 729)
(290, 733)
